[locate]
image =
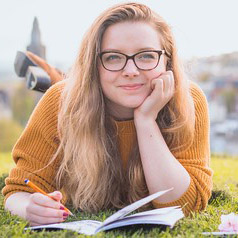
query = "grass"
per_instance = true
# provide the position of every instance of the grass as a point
(225, 172)
(224, 200)
(6, 162)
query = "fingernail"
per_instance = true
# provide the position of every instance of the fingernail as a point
(65, 214)
(61, 207)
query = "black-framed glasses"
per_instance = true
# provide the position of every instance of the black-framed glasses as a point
(143, 60)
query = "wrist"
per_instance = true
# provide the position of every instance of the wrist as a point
(12, 203)
(144, 117)
(141, 121)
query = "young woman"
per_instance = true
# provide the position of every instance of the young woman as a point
(124, 124)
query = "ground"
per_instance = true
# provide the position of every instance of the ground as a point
(224, 200)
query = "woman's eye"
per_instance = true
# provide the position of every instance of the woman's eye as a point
(112, 57)
(146, 56)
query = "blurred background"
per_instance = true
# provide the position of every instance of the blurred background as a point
(205, 34)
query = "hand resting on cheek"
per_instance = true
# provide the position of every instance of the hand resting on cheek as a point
(162, 91)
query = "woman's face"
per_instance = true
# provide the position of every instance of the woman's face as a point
(127, 89)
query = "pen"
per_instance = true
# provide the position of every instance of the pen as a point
(39, 190)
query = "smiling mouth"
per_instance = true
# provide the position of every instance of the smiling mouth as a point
(132, 86)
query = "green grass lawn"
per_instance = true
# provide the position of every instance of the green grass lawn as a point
(6, 162)
(223, 201)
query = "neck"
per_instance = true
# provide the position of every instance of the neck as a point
(120, 113)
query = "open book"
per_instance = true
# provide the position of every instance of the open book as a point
(163, 216)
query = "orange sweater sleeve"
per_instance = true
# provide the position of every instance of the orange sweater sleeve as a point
(196, 160)
(36, 146)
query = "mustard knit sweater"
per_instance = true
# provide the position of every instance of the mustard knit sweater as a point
(38, 143)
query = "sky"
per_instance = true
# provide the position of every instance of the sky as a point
(201, 27)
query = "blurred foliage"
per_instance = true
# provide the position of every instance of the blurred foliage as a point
(6, 163)
(23, 103)
(2, 180)
(204, 77)
(229, 97)
(10, 130)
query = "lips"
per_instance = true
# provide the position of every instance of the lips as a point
(131, 86)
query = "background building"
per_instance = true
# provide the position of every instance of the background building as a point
(36, 45)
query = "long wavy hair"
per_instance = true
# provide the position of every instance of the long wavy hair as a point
(91, 172)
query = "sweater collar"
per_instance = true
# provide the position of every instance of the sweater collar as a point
(127, 126)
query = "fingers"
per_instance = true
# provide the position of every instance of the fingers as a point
(169, 84)
(45, 201)
(44, 210)
(34, 224)
(162, 90)
(164, 84)
(56, 195)
(157, 86)
(40, 220)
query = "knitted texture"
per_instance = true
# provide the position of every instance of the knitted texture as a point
(39, 142)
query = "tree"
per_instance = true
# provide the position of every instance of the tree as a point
(23, 103)
(10, 131)
(229, 96)
(204, 76)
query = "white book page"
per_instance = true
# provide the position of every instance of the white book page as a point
(126, 210)
(87, 227)
(158, 211)
(168, 219)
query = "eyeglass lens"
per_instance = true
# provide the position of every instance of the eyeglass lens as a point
(143, 60)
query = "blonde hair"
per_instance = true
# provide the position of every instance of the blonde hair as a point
(90, 172)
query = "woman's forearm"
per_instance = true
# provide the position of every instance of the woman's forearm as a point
(161, 169)
(17, 203)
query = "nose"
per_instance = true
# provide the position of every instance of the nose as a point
(130, 69)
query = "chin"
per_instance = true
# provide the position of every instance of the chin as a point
(133, 104)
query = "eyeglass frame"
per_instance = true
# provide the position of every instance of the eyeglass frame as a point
(160, 52)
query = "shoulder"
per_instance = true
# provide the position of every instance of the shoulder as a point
(42, 124)
(51, 98)
(46, 111)
(201, 110)
(198, 96)
(195, 91)
(54, 92)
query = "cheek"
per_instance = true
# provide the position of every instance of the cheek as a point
(103, 76)
(106, 79)
(162, 65)
(155, 73)
(101, 72)
(104, 86)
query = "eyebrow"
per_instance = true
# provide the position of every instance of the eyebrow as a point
(137, 50)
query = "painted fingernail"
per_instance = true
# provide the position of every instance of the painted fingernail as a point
(65, 214)
(61, 207)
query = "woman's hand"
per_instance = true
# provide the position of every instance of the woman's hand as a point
(44, 210)
(162, 91)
